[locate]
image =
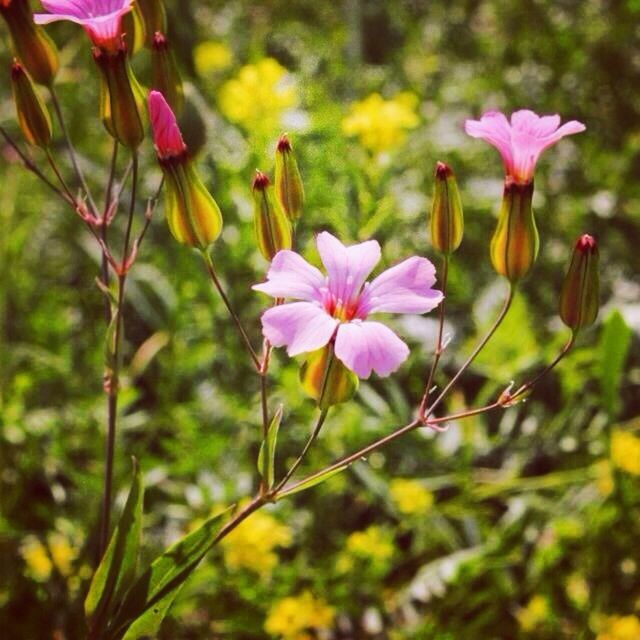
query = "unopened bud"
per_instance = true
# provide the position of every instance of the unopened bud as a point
(154, 17)
(289, 188)
(134, 29)
(121, 98)
(193, 215)
(273, 230)
(325, 379)
(33, 115)
(165, 76)
(447, 221)
(33, 46)
(514, 246)
(581, 286)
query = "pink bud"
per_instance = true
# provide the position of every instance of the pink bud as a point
(166, 133)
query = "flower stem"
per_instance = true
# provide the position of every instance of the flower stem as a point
(234, 316)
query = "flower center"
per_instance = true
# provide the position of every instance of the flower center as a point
(339, 309)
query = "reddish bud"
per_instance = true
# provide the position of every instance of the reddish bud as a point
(273, 231)
(288, 182)
(165, 76)
(447, 221)
(33, 115)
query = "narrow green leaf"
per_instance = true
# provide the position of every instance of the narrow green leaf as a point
(117, 568)
(312, 482)
(615, 341)
(267, 455)
(148, 600)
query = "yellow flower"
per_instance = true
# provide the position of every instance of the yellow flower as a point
(381, 125)
(620, 628)
(212, 56)
(410, 497)
(257, 96)
(62, 553)
(374, 543)
(535, 613)
(625, 451)
(291, 618)
(604, 478)
(251, 546)
(35, 555)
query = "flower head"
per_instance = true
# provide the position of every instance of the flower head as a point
(164, 126)
(521, 140)
(335, 307)
(101, 19)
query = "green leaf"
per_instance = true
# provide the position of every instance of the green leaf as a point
(267, 455)
(117, 568)
(147, 602)
(615, 341)
(311, 482)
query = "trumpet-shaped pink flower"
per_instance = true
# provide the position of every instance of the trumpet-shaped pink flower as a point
(166, 133)
(335, 307)
(521, 141)
(101, 19)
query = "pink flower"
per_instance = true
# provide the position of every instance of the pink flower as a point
(521, 141)
(166, 133)
(336, 306)
(99, 18)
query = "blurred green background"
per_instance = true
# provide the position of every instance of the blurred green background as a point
(521, 524)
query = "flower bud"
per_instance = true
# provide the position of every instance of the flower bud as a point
(134, 30)
(288, 183)
(154, 17)
(581, 286)
(273, 230)
(514, 246)
(193, 215)
(33, 46)
(33, 115)
(121, 99)
(165, 76)
(325, 379)
(447, 221)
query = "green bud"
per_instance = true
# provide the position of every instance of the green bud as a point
(134, 29)
(193, 215)
(273, 230)
(447, 221)
(165, 76)
(154, 17)
(33, 46)
(121, 97)
(33, 115)
(289, 188)
(514, 246)
(581, 287)
(325, 379)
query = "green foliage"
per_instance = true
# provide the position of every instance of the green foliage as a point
(612, 354)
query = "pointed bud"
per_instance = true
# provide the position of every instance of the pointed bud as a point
(289, 188)
(447, 221)
(193, 215)
(154, 17)
(121, 98)
(273, 230)
(325, 379)
(33, 115)
(134, 29)
(33, 46)
(165, 76)
(581, 287)
(514, 246)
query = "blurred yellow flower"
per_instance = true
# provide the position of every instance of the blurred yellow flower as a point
(212, 56)
(535, 613)
(620, 628)
(604, 477)
(251, 546)
(410, 497)
(62, 553)
(577, 589)
(381, 125)
(36, 557)
(257, 96)
(292, 618)
(374, 543)
(625, 451)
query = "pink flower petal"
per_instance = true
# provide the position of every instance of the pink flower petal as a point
(494, 128)
(405, 288)
(291, 276)
(364, 347)
(166, 133)
(300, 326)
(347, 267)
